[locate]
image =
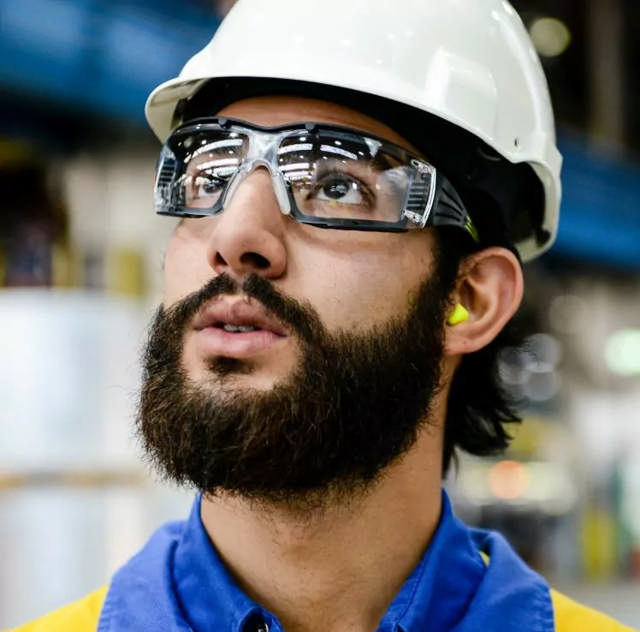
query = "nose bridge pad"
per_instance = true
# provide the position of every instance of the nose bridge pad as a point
(277, 182)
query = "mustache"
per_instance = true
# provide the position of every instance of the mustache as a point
(300, 316)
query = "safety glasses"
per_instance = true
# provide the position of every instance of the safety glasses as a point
(323, 175)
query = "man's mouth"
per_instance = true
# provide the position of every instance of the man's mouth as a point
(236, 327)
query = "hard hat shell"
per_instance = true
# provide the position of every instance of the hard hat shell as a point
(469, 63)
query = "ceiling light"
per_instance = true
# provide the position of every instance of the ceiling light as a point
(622, 352)
(550, 36)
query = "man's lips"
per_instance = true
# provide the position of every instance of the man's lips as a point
(214, 340)
(238, 312)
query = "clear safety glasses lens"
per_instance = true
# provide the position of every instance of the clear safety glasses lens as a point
(323, 175)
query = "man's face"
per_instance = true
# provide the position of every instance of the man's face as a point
(290, 359)
(355, 280)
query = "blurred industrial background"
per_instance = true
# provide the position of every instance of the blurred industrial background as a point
(80, 260)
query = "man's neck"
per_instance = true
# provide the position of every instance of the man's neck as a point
(338, 567)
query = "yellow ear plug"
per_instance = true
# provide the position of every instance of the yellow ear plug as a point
(458, 315)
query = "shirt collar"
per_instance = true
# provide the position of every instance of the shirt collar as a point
(439, 590)
(435, 596)
(210, 597)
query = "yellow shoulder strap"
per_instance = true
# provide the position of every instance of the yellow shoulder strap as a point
(80, 616)
(574, 617)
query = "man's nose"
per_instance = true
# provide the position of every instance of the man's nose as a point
(248, 236)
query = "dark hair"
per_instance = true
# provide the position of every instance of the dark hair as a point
(479, 405)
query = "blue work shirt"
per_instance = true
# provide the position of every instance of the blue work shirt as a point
(178, 582)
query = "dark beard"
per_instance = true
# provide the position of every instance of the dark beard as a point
(354, 404)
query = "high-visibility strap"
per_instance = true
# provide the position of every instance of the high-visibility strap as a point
(574, 617)
(571, 616)
(79, 616)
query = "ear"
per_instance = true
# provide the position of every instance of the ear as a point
(490, 287)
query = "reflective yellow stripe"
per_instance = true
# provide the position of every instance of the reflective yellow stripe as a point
(571, 616)
(574, 617)
(80, 616)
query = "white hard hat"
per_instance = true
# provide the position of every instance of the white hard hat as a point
(464, 69)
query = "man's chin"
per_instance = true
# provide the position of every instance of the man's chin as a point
(261, 371)
(236, 374)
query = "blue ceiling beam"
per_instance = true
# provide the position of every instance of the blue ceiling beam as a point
(600, 214)
(97, 56)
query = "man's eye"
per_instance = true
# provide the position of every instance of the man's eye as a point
(206, 184)
(338, 187)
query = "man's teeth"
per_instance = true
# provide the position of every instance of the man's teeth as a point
(235, 329)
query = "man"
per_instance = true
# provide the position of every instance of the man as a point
(356, 184)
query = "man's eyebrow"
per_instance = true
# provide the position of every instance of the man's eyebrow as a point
(217, 146)
(384, 161)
